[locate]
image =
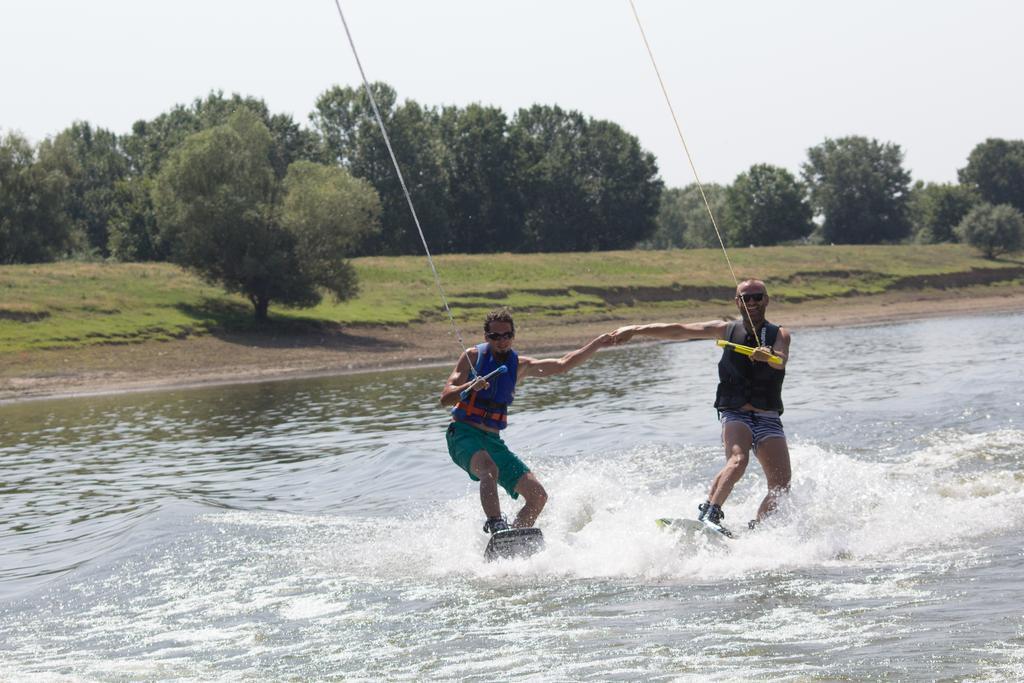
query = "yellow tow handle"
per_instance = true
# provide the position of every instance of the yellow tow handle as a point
(745, 350)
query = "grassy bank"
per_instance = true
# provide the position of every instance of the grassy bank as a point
(76, 304)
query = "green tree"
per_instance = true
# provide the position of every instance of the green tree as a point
(683, 221)
(547, 142)
(937, 208)
(995, 169)
(328, 212)
(485, 208)
(587, 185)
(993, 229)
(290, 142)
(765, 206)
(621, 180)
(134, 235)
(151, 142)
(33, 224)
(344, 119)
(93, 162)
(229, 218)
(860, 188)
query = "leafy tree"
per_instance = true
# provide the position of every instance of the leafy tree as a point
(289, 141)
(765, 206)
(936, 209)
(485, 207)
(683, 221)
(352, 139)
(151, 142)
(33, 224)
(229, 218)
(995, 169)
(993, 229)
(587, 185)
(328, 212)
(134, 235)
(861, 189)
(547, 142)
(622, 180)
(93, 162)
(292, 142)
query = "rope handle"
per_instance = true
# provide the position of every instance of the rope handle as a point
(500, 370)
(745, 350)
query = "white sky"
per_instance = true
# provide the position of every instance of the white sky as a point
(752, 81)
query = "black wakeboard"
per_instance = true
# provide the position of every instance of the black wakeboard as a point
(513, 543)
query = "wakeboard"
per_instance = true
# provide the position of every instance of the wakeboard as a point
(514, 543)
(696, 526)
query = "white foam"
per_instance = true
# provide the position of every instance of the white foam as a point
(842, 510)
(231, 589)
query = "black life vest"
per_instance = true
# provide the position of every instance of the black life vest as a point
(742, 381)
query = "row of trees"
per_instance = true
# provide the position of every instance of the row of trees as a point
(546, 180)
(861, 194)
(272, 209)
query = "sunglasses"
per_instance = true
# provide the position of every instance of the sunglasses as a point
(495, 336)
(747, 298)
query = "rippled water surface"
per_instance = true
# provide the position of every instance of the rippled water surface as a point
(318, 530)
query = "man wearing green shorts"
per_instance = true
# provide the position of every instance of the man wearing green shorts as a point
(480, 412)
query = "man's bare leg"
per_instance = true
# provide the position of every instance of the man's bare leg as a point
(737, 439)
(773, 454)
(486, 471)
(529, 487)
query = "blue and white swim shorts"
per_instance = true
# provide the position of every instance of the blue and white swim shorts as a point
(762, 425)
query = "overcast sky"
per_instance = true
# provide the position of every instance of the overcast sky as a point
(752, 82)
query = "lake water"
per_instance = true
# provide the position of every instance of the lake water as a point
(317, 529)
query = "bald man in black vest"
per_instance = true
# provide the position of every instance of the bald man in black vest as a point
(749, 397)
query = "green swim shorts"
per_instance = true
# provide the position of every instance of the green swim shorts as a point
(464, 441)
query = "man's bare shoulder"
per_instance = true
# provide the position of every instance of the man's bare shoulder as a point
(783, 340)
(466, 358)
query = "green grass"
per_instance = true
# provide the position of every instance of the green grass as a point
(76, 304)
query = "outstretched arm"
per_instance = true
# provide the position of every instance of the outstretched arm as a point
(532, 367)
(459, 381)
(713, 329)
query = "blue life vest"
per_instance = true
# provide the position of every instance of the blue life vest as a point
(489, 407)
(742, 381)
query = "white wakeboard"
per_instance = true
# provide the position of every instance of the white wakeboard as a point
(695, 527)
(513, 543)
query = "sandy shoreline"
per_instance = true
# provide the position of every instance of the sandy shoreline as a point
(230, 359)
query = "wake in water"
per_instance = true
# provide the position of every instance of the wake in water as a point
(948, 496)
(311, 549)
(232, 594)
